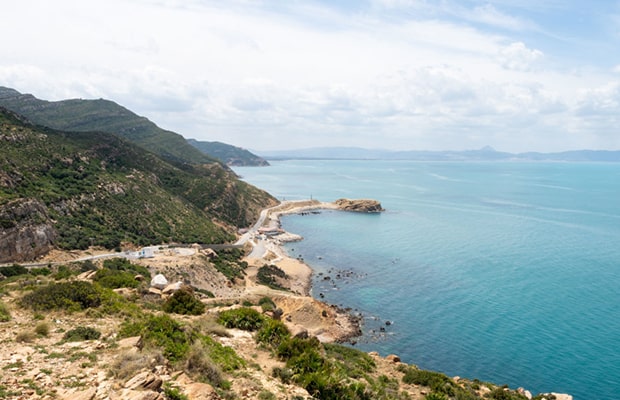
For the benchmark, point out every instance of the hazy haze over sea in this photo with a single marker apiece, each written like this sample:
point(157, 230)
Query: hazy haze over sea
point(506, 272)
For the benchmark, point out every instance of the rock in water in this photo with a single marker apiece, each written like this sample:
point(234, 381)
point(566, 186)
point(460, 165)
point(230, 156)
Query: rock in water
point(362, 205)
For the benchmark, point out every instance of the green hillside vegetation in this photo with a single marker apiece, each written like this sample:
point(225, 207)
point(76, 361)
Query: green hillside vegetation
point(103, 116)
point(228, 154)
point(100, 189)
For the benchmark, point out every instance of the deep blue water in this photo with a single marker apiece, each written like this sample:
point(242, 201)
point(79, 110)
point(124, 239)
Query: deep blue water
point(505, 272)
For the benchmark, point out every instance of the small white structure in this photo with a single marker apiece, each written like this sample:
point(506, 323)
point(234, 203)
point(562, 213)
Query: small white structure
point(146, 252)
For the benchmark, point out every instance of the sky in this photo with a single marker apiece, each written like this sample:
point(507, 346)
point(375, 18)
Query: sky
point(517, 75)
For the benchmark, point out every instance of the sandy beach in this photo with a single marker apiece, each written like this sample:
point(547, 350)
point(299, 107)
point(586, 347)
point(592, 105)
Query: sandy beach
point(326, 322)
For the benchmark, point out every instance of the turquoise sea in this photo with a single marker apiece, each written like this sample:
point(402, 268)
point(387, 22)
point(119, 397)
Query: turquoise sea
point(507, 272)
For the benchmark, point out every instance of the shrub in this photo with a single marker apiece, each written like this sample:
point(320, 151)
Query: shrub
point(123, 264)
point(5, 314)
point(436, 396)
point(294, 347)
point(437, 381)
point(71, 296)
point(114, 279)
point(24, 337)
point(172, 393)
point(161, 331)
point(266, 395)
point(267, 304)
point(81, 333)
point(246, 319)
point(224, 356)
point(40, 271)
point(200, 365)
point(267, 275)
point(272, 333)
point(183, 301)
point(42, 329)
point(13, 270)
point(285, 374)
point(228, 263)
point(209, 326)
point(356, 362)
point(63, 272)
point(128, 364)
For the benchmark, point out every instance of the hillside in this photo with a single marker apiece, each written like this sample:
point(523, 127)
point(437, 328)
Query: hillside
point(228, 154)
point(98, 330)
point(103, 116)
point(76, 189)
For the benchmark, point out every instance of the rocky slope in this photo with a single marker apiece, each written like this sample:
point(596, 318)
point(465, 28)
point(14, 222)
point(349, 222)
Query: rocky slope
point(102, 351)
point(73, 190)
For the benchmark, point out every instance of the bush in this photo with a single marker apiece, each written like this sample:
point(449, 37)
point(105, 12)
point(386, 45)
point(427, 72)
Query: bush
point(114, 279)
point(356, 362)
point(24, 337)
point(63, 272)
point(172, 393)
point(436, 396)
point(224, 356)
point(13, 270)
point(267, 275)
point(40, 271)
point(228, 263)
point(81, 333)
point(246, 319)
point(71, 296)
point(294, 347)
point(161, 331)
point(123, 264)
point(201, 367)
point(5, 314)
point(42, 329)
point(272, 333)
point(128, 364)
point(267, 304)
point(183, 301)
point(437, 381)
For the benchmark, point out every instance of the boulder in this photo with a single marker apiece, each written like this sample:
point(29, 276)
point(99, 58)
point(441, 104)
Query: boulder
point(298, 331)
point(159, 282)
point(393, 358)
point(144, 380)
point(562, 396)
point(173, 287)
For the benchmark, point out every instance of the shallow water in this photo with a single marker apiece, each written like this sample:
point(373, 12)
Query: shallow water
point(506, 272)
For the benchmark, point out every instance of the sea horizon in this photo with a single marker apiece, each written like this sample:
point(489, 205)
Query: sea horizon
point(498, 271)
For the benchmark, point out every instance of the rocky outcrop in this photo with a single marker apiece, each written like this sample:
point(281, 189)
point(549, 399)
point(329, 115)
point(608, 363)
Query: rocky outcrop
point(26, 231)
point(361, 205)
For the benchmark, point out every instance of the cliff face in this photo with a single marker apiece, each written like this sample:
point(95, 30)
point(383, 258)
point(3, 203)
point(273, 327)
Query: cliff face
point(26, 231)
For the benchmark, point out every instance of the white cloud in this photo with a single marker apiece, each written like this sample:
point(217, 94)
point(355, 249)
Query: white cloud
point(518, 57)
point(262, 77)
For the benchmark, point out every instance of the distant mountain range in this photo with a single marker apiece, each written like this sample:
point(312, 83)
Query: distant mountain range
point(485, 154)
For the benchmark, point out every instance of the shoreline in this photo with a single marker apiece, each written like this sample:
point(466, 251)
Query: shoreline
point(348, 326)
point(334, 324)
